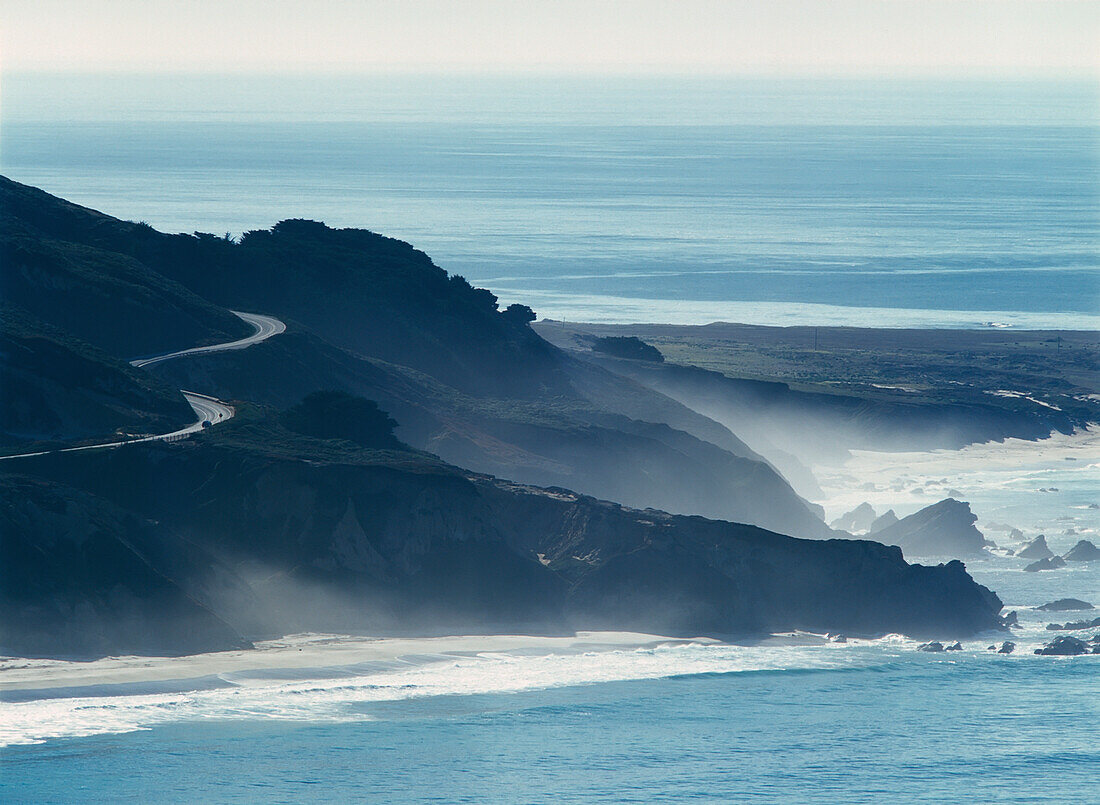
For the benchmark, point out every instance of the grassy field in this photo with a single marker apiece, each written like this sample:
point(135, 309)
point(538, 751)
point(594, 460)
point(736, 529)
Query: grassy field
point(1006, 367)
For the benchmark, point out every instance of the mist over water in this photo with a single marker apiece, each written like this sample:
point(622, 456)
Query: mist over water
point(1046, 487)
point(771, 202)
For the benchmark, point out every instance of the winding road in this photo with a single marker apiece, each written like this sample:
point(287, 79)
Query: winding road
point(266, 326)
point(206, 408)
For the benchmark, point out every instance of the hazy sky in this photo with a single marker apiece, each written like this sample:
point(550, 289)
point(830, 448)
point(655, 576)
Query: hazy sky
point(831, 36)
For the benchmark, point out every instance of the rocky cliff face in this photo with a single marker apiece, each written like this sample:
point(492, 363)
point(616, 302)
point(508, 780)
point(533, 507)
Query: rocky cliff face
point(251, 529)
point(942, 529)
point(383, 542)
point(1036, 549)
point(861, 518)
point(80, 576)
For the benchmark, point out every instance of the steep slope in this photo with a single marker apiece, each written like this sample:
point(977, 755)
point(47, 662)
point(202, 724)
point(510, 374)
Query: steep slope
point(81, 577)
point(367, 293)
point(568, 442)
point(57, 390)
point(942, 529)
point(465, 379)
point(51, 268)
point(329, 536)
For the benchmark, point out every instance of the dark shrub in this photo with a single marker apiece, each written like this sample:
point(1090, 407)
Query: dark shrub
point(627, 347)
point(520, 313)
point(338, 415)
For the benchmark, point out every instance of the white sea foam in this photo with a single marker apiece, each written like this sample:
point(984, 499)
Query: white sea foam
point(330, 678)
point(1027, 484)
point(484, 673)
point(610, 309)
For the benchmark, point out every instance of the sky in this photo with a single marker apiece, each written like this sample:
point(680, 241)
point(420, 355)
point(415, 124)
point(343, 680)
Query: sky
point(833, 37)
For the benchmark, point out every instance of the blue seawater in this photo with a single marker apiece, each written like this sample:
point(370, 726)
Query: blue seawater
point(861, 203)
point(949, 204)
point(888, 725)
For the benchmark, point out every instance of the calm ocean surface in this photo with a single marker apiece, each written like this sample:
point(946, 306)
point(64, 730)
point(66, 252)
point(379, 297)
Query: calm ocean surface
point(755, 201)
point(912, 204)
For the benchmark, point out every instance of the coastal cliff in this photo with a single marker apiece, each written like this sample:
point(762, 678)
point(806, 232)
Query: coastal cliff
point(317, 535)
point(622, 508)
point(375, 317)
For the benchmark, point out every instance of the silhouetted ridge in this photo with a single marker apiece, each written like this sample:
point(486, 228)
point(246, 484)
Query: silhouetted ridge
point(372, 316)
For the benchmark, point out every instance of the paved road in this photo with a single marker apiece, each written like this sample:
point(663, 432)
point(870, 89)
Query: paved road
point(266, 326)
point(207, 408)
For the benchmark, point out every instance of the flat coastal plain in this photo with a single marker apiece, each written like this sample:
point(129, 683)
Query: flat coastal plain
point(1013, 369)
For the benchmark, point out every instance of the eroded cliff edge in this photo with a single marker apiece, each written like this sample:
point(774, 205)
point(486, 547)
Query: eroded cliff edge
point(261, 533)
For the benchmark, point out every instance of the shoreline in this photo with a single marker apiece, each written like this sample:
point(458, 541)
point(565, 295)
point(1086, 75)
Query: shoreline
point(1044, 485)
point(624, 311)
point(290, 658)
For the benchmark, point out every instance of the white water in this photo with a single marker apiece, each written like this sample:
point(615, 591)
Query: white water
point(1001, 480)
point(335, 698)
point(607, 309)
point(1043, 487)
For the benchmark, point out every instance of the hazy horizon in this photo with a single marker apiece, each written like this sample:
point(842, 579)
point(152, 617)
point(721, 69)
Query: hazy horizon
point(698, 36)
point(581, 98)
point(583, 401)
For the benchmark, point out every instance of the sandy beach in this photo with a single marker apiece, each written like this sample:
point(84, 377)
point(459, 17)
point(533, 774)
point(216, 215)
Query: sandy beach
point(297, 656)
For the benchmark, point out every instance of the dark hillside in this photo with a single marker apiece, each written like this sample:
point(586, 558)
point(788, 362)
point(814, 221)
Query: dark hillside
point(374, 296)
point(560, 441)
point(81, 577)
point(326, 536)
point(60, 391)
point(58, 263)
point(466, 380)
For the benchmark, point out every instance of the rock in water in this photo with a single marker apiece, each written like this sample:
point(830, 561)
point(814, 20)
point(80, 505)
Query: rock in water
point(1052, 563)
point(1065, 605)
point(933, 647)
point(956, 646)
point(942, 529)
point(1007, 647)
point(1036, 549)
point(1083, 551)
point(1064, 647)
point(861, 518)
point(884, 521)
point(1073, 626)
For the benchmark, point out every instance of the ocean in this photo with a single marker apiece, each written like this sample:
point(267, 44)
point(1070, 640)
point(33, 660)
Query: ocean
point(892, 730)
point(909, 204)
point(962, 204)
point(862, 721)
point(856, 722)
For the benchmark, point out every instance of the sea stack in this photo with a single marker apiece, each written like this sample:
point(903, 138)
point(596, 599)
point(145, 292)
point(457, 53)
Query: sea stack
point(884, 521)
point(1036, 549)
point(861, 518)
point(1083, 551)
point(942, 529)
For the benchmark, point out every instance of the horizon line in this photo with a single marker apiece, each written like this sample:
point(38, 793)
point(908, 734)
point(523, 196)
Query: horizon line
point(1083, 74)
